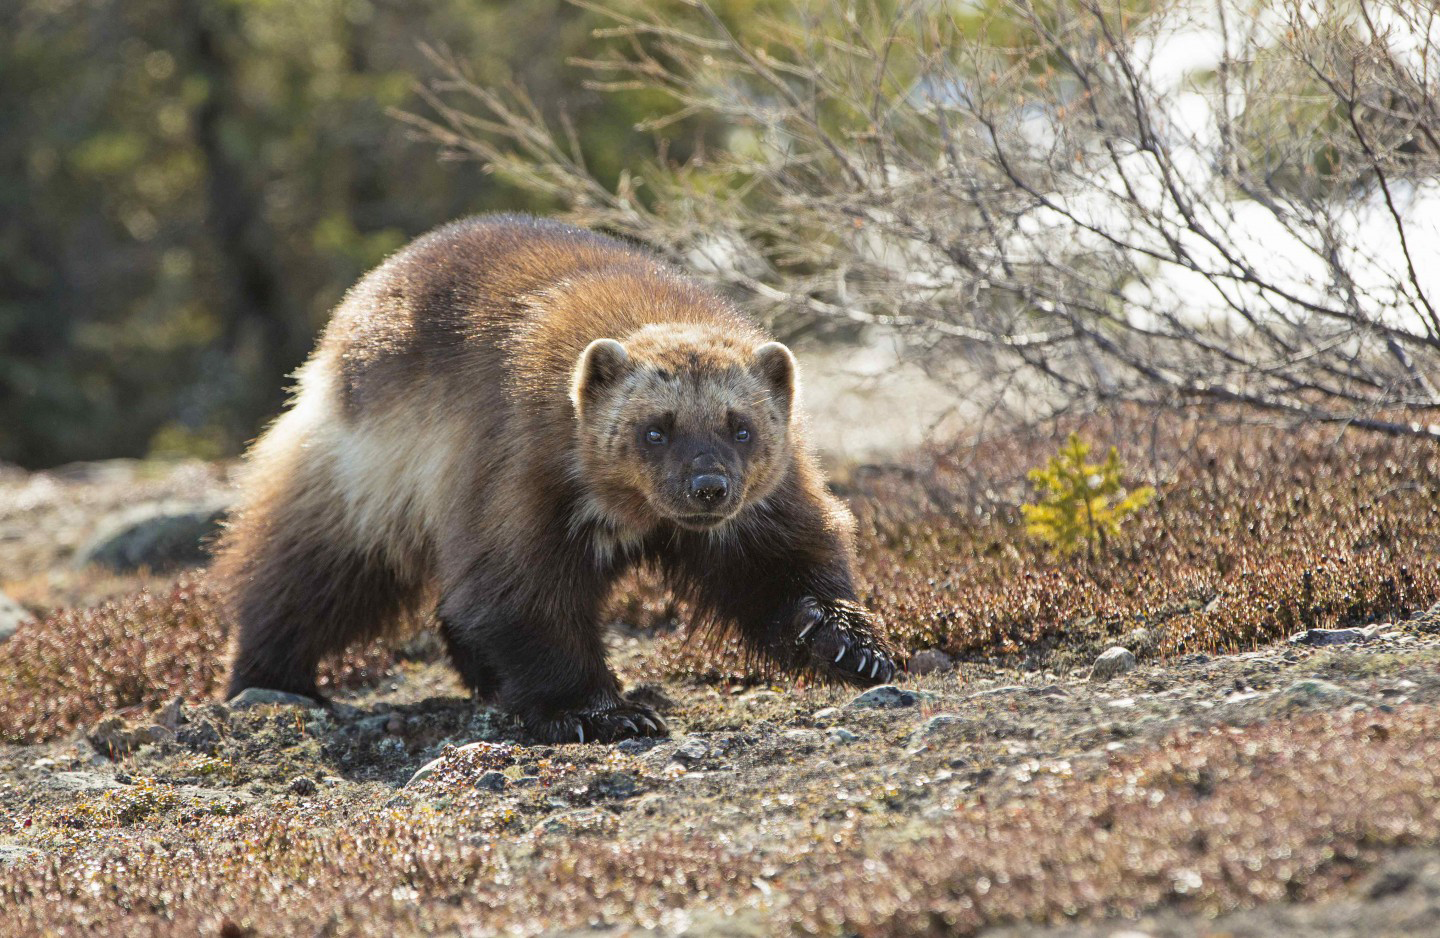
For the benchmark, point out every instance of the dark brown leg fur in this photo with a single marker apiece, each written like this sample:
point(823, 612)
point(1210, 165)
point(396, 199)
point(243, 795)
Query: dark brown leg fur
point(298, 600)
point(549, 655)
point(789, 596)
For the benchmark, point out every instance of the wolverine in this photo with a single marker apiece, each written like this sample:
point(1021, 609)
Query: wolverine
point(498, 422)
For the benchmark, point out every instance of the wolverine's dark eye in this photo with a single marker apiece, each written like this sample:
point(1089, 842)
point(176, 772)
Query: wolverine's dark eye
point(655, 436)
point(742, 435)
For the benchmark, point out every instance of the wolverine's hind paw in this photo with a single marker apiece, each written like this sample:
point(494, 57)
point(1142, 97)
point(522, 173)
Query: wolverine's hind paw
point(840, 643)
point(601, 726)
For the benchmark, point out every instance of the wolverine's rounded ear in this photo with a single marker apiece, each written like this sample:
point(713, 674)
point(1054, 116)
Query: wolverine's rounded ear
point(777, 366)
point(602, 363)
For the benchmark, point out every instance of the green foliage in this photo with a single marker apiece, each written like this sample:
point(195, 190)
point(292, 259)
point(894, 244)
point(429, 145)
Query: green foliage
point(186, 189)
point(1080, 504)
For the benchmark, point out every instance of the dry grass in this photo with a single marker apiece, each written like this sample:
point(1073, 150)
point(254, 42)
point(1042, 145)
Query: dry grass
point(1211, 820)
point(136, 652)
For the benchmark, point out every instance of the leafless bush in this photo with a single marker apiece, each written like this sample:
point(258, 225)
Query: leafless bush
point(1059, 203)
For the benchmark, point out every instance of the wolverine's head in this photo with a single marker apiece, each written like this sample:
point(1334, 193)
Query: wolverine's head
point(683, 423)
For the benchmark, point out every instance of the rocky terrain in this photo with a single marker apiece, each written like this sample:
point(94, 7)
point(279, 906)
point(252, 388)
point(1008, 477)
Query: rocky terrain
point(1289, 790)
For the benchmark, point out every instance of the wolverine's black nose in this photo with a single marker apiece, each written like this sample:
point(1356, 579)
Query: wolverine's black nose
point(709, 487)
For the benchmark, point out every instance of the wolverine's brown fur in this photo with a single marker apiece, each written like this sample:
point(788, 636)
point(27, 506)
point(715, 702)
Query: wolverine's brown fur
point(465, 437)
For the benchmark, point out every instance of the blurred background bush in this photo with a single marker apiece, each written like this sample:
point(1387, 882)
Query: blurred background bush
point(1044, 206)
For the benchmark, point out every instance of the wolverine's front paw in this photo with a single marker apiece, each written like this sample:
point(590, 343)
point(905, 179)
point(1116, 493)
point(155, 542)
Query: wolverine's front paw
point(621, 721)
point(840, 642)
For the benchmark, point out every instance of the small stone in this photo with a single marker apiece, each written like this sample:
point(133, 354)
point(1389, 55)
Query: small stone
point(425, 771)
point(616, 785)
point(637, 744)
point(1114, 660)
point(929, 661)
point(13, 853)
point(933, 729)
point(840, 736)
point(1321, 637)
point(802, 739)
point(760, 698)
point(887, 697)
point(264, 697)
point(12, 616)
point(331, 781)
point(826, 714)
point(171, 714)
point(492, 781)
point(81, 781)
point(692, 750)
point(1317, 691)
point(160, 536)
point(526, 781)
point(575, 822)
point(301, 785)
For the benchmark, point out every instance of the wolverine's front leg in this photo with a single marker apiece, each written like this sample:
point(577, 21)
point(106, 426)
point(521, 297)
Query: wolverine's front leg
point(796, 607)
point(548, 655)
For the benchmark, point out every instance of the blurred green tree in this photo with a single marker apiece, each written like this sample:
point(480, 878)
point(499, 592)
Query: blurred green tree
point(187, 188)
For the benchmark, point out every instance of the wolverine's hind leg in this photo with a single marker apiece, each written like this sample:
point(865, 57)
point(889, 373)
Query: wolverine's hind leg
point(299, 593)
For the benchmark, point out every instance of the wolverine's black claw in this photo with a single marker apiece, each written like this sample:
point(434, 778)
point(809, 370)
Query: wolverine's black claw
point(600, 726)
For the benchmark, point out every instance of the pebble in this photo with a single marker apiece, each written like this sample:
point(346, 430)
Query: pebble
point(1317, 690)
point(637, 744)
point(931, 729)
point(1322, 637)
point(1114, 660)
point(929, 661)
point(262, 696)
point(492, 781)
point(805, 739)
point(12, 616)
point(10, 853)
point(887, 697)
point(692, 750)
point(425, 771)
point(81, 781)
point(760, 698)
point(840, 736)
point(826, 714)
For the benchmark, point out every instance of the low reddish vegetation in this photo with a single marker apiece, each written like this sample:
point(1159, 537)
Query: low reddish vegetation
point(135, 652)
point(1212, 820)
point(1256, 532)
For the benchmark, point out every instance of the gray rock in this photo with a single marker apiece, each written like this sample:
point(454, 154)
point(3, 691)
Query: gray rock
point(264, 697)
point(802, 739)
point(929, 661)
point(160, 536)
point(13, 853)
point(12, 616)
point(81, 782)
point(637, 744)
point(1322, 637)
point(492, 781)
point(934, 729)
point(887, 697)
point(1313, 690)
point(840, 736)
point(1114, 660)
point(826, 714)
point(760, 698)
point(692, 750)
point(425, 771)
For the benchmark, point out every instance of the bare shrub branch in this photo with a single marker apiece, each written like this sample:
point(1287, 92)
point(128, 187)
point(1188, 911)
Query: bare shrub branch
point(1109, 200)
